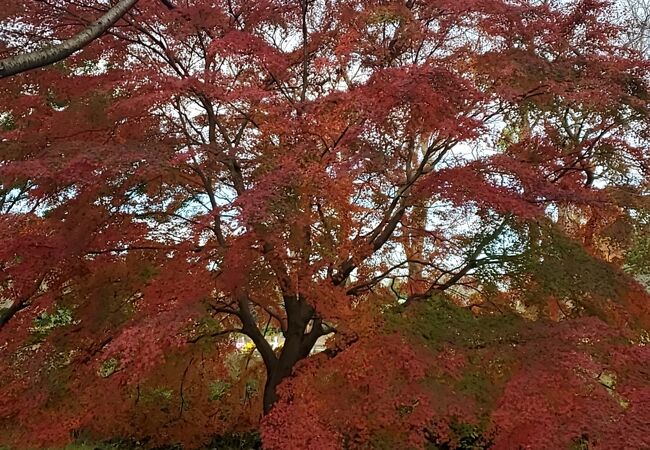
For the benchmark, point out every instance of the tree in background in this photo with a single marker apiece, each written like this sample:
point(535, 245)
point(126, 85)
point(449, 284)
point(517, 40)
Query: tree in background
point(636, 14)
point(326, 169)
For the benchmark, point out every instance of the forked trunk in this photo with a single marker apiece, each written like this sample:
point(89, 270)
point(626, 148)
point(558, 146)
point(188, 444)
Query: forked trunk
point(297, 346)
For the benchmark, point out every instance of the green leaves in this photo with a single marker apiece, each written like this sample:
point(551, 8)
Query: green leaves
point(218, 389)
point(108, 367)
point(47, 322)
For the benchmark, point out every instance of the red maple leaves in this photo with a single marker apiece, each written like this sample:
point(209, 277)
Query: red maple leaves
point(322, 170)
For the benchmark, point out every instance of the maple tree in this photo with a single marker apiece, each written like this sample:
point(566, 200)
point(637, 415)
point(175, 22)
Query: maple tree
point(453, 194)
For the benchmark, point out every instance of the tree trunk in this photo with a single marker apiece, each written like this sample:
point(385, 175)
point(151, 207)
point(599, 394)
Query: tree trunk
point(299, 341)
point(296, 347)
point(273, 380)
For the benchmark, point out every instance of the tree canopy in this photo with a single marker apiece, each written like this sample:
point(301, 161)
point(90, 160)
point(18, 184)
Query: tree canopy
point(452, 196)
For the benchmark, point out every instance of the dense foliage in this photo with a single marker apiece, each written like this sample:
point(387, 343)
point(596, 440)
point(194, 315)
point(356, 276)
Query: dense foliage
point(452, 195)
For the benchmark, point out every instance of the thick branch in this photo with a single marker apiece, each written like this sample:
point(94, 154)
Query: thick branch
point(196, 339)
point(249, 327)
point(20, 303)
point(7, 314)
point(39, 58)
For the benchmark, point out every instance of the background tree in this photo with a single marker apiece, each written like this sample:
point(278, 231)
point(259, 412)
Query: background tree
point(636, 14)
point(230, 168)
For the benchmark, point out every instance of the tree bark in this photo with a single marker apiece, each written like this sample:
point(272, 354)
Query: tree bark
point(298, 344)
point(273, 379)
point(296, 348)
point(54, 53)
